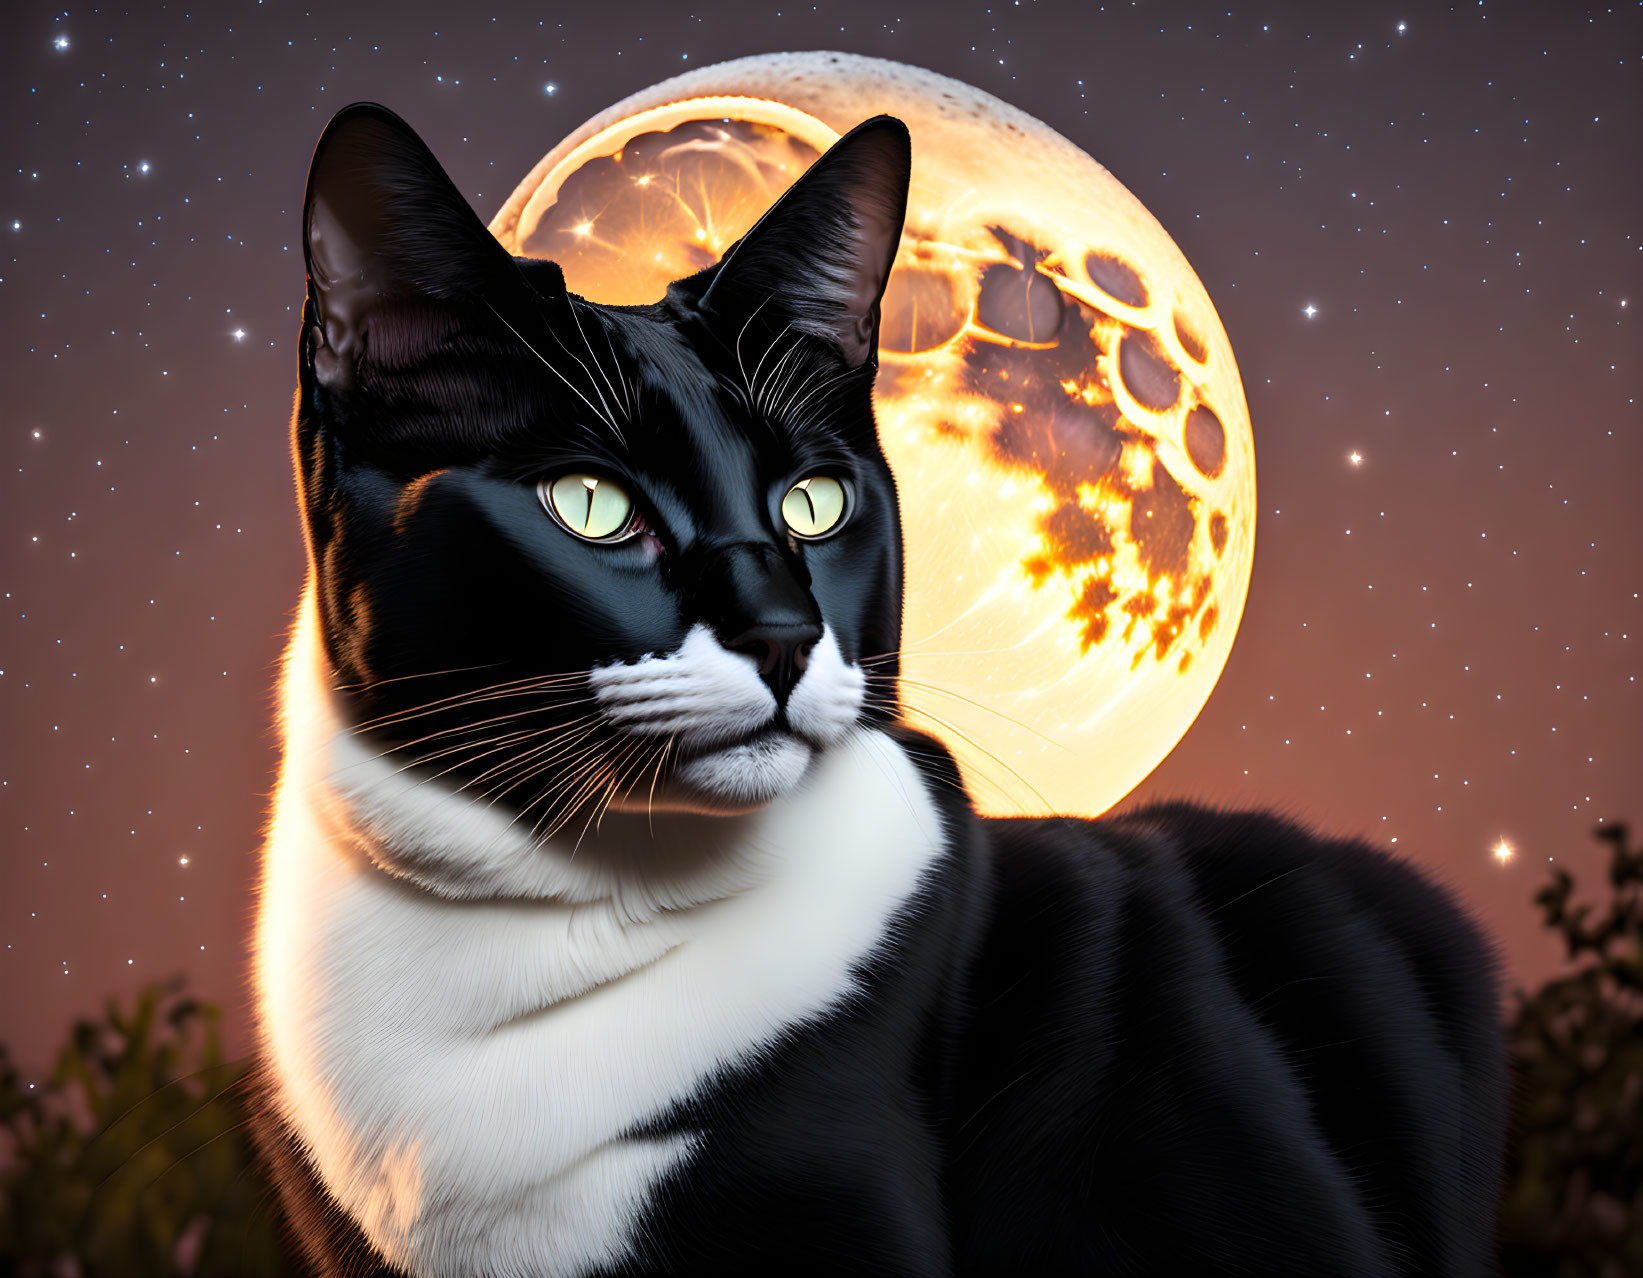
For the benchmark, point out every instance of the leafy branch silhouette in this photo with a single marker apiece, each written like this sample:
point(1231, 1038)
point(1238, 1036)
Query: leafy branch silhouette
point(132, 1157)
point(1573, 1205)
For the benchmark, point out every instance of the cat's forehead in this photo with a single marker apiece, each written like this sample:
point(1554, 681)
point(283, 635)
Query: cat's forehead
point(662, 362)
point(669, 410)
point(693, 396)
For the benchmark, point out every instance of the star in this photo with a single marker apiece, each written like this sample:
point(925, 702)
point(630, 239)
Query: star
point(1356, 459)
point(1309, 310)
point(60, 43)
point(239, 334)
point(1402, 27)
point(1503, 852)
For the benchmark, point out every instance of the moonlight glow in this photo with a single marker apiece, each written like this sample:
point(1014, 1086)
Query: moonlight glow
point(1056, 397)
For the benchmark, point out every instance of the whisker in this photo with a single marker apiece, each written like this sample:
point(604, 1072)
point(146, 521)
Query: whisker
point(158, 1092)
point(484, 723)
point(890, 774)
point(742, 333)
point(592, 774)
point(900, 680)
point(568, 801)
point(458, 707)
point(607, 416)
point(620, 788)
point(182, 1158)
point(597, 811)
point(977, 745)
point(199, 1109)
point(592, 407)
point(499, 742)
point(604, 761)
point(425, 674)
point(796, 391)
point(630, 402)
point(555, 735)
point(757, 368)
point(537, 759)
point(839, 377)
point(650, 799)
point(933, 777)
point(242, 1081)
point(655, 750)
point(774, 386)
point(638, 752)
point(782, 378)
point(592, 356)
point(904, 653)
point(535, 681)
point(575, 748)
point(814, 422)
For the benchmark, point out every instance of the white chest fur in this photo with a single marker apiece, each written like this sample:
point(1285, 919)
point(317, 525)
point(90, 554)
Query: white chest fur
point(461, 1071)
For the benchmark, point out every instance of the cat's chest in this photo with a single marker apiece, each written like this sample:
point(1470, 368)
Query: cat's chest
point(466, 1075)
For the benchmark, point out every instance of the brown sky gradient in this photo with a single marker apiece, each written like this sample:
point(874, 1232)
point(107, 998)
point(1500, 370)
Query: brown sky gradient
point(1441, 640)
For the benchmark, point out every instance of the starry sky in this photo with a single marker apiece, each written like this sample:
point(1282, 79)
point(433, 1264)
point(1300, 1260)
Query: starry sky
point(1422, 226)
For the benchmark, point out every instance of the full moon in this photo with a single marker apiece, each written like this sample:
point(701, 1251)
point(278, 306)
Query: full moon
point(1056, 397)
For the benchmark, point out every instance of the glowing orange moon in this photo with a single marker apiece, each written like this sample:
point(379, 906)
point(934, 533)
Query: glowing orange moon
point(1056, 396)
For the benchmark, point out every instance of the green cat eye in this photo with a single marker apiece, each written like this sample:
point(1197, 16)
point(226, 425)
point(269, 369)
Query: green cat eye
point(814, 507)
point(590, 506)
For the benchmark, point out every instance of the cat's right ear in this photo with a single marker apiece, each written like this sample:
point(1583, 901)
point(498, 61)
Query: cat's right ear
point(387, 235)
point(824, 250)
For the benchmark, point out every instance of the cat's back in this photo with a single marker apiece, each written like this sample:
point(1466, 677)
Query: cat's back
point(1215, 1041)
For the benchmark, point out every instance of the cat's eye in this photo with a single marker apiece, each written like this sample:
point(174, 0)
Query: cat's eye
point(590, 506)
point(814, 507)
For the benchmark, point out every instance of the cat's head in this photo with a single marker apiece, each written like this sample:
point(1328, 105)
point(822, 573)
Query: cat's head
point(569, 555)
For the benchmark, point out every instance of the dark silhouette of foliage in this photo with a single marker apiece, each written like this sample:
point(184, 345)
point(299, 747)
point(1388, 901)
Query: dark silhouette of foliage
point(131, 1159)
point(1573, 1205)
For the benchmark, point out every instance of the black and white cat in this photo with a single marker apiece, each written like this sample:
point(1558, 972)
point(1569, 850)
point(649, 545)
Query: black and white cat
point(611, 923)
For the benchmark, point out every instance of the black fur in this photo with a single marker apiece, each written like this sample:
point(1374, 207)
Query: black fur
point(1174, 1041)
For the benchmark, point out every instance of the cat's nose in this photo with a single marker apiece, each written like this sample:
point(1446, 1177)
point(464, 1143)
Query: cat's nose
point(781, 651)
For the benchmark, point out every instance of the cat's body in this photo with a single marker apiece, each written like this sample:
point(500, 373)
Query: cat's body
point(723, 975)
point(510, 1048)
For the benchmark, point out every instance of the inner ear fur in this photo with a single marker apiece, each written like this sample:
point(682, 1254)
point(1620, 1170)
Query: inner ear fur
point(386, 233)
point(820, 257)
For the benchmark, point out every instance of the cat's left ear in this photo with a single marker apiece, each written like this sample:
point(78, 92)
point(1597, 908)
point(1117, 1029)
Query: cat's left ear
point(386, 233)
point(821, 255)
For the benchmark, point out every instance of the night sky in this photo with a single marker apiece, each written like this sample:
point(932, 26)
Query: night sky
point(1422, 226)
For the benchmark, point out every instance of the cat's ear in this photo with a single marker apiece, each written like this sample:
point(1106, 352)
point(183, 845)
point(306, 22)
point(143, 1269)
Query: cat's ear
point(821, 255)
point(385, 233)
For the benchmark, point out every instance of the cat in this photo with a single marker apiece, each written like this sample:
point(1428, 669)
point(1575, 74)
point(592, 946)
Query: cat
point(613, 922)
